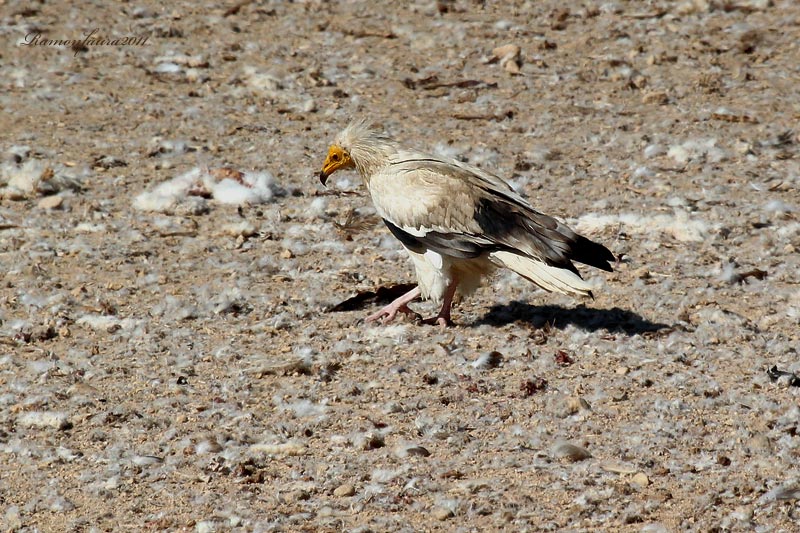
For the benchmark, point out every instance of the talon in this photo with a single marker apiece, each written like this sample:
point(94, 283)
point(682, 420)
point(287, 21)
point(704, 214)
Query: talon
point(388, 313)
point(441, 321)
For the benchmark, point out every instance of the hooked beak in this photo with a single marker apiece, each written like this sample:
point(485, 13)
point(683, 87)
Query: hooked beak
point(337, 158)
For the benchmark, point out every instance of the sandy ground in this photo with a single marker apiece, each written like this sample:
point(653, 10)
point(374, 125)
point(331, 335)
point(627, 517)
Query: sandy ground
point(167, 361)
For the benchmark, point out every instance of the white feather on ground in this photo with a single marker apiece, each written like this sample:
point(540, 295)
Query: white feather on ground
point(225, 186)
point(679, 225)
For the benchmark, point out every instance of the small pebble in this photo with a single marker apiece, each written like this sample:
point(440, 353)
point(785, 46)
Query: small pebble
point(244, 229)
point(308, 106)
point(147, 460)
point(419, 451)
point(618, 468)
point(509, 56)
point(44, 419)
point(655, 97)
point(441, 513)
point(571, 452)
point(576, 404)
point(344, 490)
point(295, 496)
point(50, 202)
point(641, 479)
point(287, 448)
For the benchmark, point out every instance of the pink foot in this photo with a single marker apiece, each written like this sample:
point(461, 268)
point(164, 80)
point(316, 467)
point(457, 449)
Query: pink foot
point(388, 313)
point(400, 305)
point(443, 318)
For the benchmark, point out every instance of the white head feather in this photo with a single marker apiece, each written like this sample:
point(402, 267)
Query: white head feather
point(369, 149)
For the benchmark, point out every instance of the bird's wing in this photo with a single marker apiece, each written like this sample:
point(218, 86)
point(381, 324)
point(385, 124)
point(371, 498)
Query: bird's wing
point(460, 211)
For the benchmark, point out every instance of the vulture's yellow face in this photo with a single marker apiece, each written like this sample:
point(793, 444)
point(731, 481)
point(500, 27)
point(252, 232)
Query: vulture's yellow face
point(337, 158)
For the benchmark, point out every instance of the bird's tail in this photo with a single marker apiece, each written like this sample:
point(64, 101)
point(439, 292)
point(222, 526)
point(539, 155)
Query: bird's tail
point(550, 278)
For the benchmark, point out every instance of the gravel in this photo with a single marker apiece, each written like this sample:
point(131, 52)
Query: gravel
point(167, 358)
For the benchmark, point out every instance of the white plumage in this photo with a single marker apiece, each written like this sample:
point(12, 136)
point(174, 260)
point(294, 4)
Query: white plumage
point(459, 223)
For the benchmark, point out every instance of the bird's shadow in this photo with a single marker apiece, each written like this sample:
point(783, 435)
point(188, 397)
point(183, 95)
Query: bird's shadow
point(613, 320)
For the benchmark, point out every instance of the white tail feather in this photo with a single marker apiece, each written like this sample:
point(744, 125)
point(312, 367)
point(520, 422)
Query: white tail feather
point(548, 277)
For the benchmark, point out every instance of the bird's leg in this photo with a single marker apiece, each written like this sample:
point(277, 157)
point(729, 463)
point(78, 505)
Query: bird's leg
point(388, 313)
point(443, 318)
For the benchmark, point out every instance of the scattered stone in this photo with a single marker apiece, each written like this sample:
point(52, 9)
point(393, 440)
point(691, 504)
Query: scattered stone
point(576, 404)
point(620, 396)
point(295, 496)
point(14, 194)
point(106, 161)
point(618, 468)
point(640, 479)
point(655, 97)
point(243, 228)
point(743, 147)
point(419, 451)
point(286, 448)
point(147, 460)
point(509, 56)
point(345, 490)
point(44, 419)
point(50, 202)
point(570, 452)
point(208, 445)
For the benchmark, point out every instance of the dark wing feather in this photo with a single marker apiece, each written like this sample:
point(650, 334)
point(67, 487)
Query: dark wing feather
point(497, 219)
point(449, 244)
point(538, 235)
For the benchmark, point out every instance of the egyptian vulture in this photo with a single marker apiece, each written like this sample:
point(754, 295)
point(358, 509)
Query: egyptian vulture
point(458, 223)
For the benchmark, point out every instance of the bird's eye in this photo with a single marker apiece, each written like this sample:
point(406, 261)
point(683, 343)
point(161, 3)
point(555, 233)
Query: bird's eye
point(335, 157)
